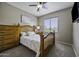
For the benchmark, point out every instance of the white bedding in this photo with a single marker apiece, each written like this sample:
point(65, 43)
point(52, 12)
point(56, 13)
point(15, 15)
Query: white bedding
point(33, 42)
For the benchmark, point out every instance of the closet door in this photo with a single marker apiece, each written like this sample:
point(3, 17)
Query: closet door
point(75, 29)
point(78, 30)
point(76, 37)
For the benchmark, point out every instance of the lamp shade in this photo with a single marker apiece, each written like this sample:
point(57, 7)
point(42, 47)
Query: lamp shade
point(38, 27)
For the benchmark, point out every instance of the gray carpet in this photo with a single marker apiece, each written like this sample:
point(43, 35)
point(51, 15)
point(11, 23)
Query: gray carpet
point(59, 50)
point(20, 51)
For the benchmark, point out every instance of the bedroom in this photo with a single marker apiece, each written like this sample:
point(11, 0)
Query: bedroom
point(14, 15)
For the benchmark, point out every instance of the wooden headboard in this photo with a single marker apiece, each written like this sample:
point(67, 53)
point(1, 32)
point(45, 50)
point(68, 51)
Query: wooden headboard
point(26, 28)
point(9, 36)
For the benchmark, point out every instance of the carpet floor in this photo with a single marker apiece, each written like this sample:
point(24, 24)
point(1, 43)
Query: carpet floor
point(59, 50)
point(19, 51)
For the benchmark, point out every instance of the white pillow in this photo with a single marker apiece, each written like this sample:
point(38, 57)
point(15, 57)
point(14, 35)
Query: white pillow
point(31, 33)
point(23, 33)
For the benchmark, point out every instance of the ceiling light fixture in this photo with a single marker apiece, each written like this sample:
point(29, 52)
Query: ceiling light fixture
point(39, 6)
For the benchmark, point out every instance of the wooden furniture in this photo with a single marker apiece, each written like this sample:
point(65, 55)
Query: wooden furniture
point(43, 51)
point(26, 28)
point(9, 36)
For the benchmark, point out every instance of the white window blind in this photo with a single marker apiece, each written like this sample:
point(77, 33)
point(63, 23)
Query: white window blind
point(51, 24)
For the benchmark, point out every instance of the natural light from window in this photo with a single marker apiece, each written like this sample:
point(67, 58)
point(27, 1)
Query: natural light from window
point(51, 25)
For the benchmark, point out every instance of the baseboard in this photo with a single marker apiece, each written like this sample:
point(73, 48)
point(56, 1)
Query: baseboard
point(75, 51)
point(64, 43)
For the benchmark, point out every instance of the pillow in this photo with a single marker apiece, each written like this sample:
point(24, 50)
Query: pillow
point(23, 33)
point(31, 33)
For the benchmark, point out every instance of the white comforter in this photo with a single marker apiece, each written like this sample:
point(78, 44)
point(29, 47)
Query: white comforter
point(33, 42)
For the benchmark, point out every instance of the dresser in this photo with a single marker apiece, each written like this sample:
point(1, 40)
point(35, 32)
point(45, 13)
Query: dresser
point(9, 36)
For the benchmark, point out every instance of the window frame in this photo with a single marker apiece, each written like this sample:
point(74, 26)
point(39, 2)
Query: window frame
point(50, 19)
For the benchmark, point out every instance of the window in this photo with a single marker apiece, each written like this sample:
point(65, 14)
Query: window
point(51, 24)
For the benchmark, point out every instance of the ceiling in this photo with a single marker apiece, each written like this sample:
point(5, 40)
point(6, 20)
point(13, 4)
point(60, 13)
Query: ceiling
point(51, 7)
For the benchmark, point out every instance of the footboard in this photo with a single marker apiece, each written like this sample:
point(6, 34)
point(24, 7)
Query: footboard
point(42, 50)
point(42, 45)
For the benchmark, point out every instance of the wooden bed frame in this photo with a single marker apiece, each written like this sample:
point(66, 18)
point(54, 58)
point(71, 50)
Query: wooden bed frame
point(43, 51)
point(17, 29)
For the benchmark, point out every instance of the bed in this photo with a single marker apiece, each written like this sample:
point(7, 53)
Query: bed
point(36, 42)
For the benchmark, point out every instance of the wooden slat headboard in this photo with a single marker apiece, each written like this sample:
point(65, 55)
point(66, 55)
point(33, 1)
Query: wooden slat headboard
point(9, 36)
point(26, 28)
point(9, 29)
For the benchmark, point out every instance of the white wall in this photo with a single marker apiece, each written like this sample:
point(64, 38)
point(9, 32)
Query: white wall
point(12, 15)
point(76, 38)
point(64, 33)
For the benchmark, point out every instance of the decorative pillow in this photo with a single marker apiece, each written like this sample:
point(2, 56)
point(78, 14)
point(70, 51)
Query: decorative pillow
point(31, 33)
point(23, 33)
